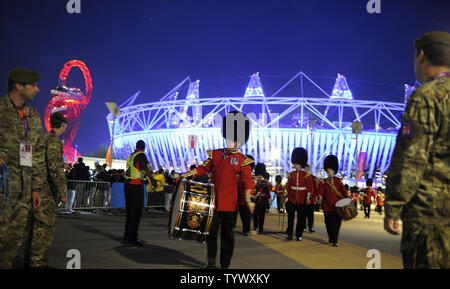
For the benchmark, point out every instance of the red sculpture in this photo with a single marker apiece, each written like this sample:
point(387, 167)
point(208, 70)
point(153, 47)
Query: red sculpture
point(70, 102)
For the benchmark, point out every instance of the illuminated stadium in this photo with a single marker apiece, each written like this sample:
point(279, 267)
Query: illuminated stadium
point(179, 130)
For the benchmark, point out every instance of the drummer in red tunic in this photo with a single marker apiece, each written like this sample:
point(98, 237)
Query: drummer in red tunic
point(331, 190)
point(226, 166)
point(279, 193)
point(369, 194)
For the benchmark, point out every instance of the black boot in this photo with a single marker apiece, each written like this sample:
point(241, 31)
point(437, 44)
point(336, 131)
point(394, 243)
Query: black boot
point(211, 264)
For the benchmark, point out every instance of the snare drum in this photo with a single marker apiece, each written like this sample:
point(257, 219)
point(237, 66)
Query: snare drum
point(192, 211)
point(346, 209)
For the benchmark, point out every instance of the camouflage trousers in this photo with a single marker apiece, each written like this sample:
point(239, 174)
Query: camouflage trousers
point(22, 225)
point(426, 247)
point(13, 224)
point(40, 231)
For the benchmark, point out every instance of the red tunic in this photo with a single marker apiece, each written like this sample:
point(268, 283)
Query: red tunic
point(225, 173)
point(380, 199)
point(279, 190)
point(263, 193)
point(241, 192)
point(298, 186)
point(270, 189)
point(369, 193)
point(329, 197)
point(315, 187)
point(355, 197)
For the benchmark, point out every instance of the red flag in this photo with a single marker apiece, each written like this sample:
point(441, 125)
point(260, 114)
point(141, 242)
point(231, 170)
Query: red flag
point(108, 156)
point(192, 141)
point(361, 164)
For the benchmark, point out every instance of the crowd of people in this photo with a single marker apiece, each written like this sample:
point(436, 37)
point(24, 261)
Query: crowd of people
point(80, 172)
point(164, 185)
point(160, 186)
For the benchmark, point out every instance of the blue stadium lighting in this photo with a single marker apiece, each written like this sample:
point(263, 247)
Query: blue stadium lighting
point(273, 136)
point(341, 89)
point(408, 91)
point(254, 88)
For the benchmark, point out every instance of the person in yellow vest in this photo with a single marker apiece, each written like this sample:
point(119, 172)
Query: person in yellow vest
point(137, 170)
point(149, 187)
point(159, 188)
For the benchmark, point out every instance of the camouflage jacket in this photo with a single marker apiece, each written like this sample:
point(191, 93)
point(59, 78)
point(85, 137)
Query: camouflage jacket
point(23, 179)
point(56, 178)
point(417, 187)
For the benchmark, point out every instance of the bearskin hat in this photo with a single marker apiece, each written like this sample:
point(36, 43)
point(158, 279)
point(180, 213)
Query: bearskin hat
point(278, 179)
point(331, 162)
point(299, 156)
point(240, 132)
point(369, 182)
point(260, 169)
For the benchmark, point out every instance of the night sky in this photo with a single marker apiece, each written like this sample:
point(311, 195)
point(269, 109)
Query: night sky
point(152, 45)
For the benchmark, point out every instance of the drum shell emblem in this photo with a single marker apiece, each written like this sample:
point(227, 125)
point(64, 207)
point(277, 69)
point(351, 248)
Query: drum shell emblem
point(192, 211)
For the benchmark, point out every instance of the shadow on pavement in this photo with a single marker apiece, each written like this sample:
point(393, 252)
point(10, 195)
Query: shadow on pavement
point(149, 254)
point(152, 254)
point(97, 231)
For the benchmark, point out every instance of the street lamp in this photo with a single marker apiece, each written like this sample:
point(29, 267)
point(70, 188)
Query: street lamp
point(356, 129)
point(114, 110)
point(311, 128)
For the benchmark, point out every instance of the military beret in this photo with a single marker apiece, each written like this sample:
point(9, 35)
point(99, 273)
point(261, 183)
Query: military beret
point(434, 37)
point(23, 75)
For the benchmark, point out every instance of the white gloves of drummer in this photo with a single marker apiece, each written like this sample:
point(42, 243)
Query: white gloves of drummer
point(189, 174)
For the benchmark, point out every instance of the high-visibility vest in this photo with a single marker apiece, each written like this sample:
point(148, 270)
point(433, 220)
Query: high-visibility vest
point(132, 172)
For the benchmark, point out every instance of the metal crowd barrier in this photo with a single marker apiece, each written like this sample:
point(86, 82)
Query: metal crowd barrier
point(88, 195)
point(96, 195)
point(159, 199)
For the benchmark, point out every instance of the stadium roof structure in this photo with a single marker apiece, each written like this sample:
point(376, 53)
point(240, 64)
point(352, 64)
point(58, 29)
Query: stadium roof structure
point(178, 132)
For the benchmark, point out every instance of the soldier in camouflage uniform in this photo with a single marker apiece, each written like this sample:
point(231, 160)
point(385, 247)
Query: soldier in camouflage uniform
point(418, 188)
point(20, 130)
point(41, 226)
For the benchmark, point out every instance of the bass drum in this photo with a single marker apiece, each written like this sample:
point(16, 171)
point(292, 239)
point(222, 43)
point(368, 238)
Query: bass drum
point(346, 209)
point(192, 211)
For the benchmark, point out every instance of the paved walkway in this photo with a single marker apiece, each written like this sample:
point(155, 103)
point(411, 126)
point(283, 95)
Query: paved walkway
point(98, 239)
point(356, 238)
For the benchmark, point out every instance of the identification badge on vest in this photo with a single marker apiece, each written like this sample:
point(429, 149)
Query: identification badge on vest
point(406, 129)
point(234, 161)
point(25, 154)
